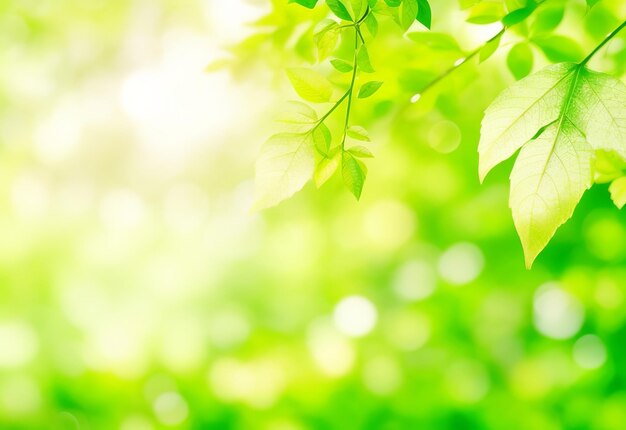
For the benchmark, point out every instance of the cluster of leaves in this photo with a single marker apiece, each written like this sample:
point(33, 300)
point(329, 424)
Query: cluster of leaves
point(567, 121)
point(308, 150)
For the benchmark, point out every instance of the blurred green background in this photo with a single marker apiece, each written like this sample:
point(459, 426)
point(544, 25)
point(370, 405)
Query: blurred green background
point(138, 292)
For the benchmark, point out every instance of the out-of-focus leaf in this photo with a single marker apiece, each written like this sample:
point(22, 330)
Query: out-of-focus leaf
point(486, 13)
point(286, 163)
point(298, 113)
point(361, 152)
point(607, 166)
point(369, 88)
point(548, 16)
point(436, 41)
point(517, 16)
point(559, 48)
point(372, 24)
point(326, 168)
point(310, 85)
point(322, 139)
point(592, 3)
point(408, 13)
point(326, 40)
point(520, 60)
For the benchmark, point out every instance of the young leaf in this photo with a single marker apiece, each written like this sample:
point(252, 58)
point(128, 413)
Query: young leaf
point(299, 113)
point(559, 48)
point(286, 163)
point(520, 60)
point(326, 40)
point(489, 48)
point(306, 3)
point(325, 169)
point(322, 139)
point(310, 85)
point(339, 9)
point(618, 192)
point(369, 88)
point(354, 173)
point(359, 133)
point(363, 60)
point(550, 176)
point(408, 13)
point(361, 152)
point(424, 13)
point(372, 24)
point(341, 65)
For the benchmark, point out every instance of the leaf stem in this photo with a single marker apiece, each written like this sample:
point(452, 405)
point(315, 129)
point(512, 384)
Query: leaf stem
point(459, 63)
point(604, 42)
point(351, 89)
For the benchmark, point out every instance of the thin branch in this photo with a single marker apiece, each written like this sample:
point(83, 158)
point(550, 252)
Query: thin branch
point(604, 42)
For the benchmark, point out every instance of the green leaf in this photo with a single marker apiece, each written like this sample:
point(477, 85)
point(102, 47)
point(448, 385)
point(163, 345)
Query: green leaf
point(341, 65)
point(486, 13)
point(548, 17)
point(325, 169)
point(607, 166)
point(520, 60)
point(559, 48)
point(489, 49)
point(299, 113)
point(550, 176)
point(326, 40)
point(361, 152)
point(310, 85)
point(372, 24)
point(369, 88)
point(592, 3)
point(408, 13)
point(559, 117)
point(339, 9)
point(393, 3)
point(285, 165)
point(517, 16)
point(358, 8)
point(359, 133)
point(354, 173)
point(322, 139)
point(306, 3)
point(363, 60)
point(424, 13)
point(519, 112)
point(618, 192)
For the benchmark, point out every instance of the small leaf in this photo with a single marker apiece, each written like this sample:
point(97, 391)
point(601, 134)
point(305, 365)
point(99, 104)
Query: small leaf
point(517, 16)
point(310, 85)
point(424, 13)
point(354, 173)
point(489, 49)
point(520, 60)
point(618, 192)
point(286, 163)
point(369, 88)
point(339, 9)
point(322, 139)
point(358, 8)
point(559, 48)
point(341, 65)
point(372, 24)
point(359, 133)
point(306, 3)
point(363, 60)
point(325, 169)
point(299, 113)
point(408, 13)
point(326, 40)
point(361, 152)
point(547, 18)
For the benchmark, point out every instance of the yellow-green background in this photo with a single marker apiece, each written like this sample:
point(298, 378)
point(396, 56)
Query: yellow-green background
point(138, 292)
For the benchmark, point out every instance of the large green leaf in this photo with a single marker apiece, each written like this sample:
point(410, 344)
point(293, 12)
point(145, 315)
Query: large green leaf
point(550, 176)
point(286, 163)
point(559, 117)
